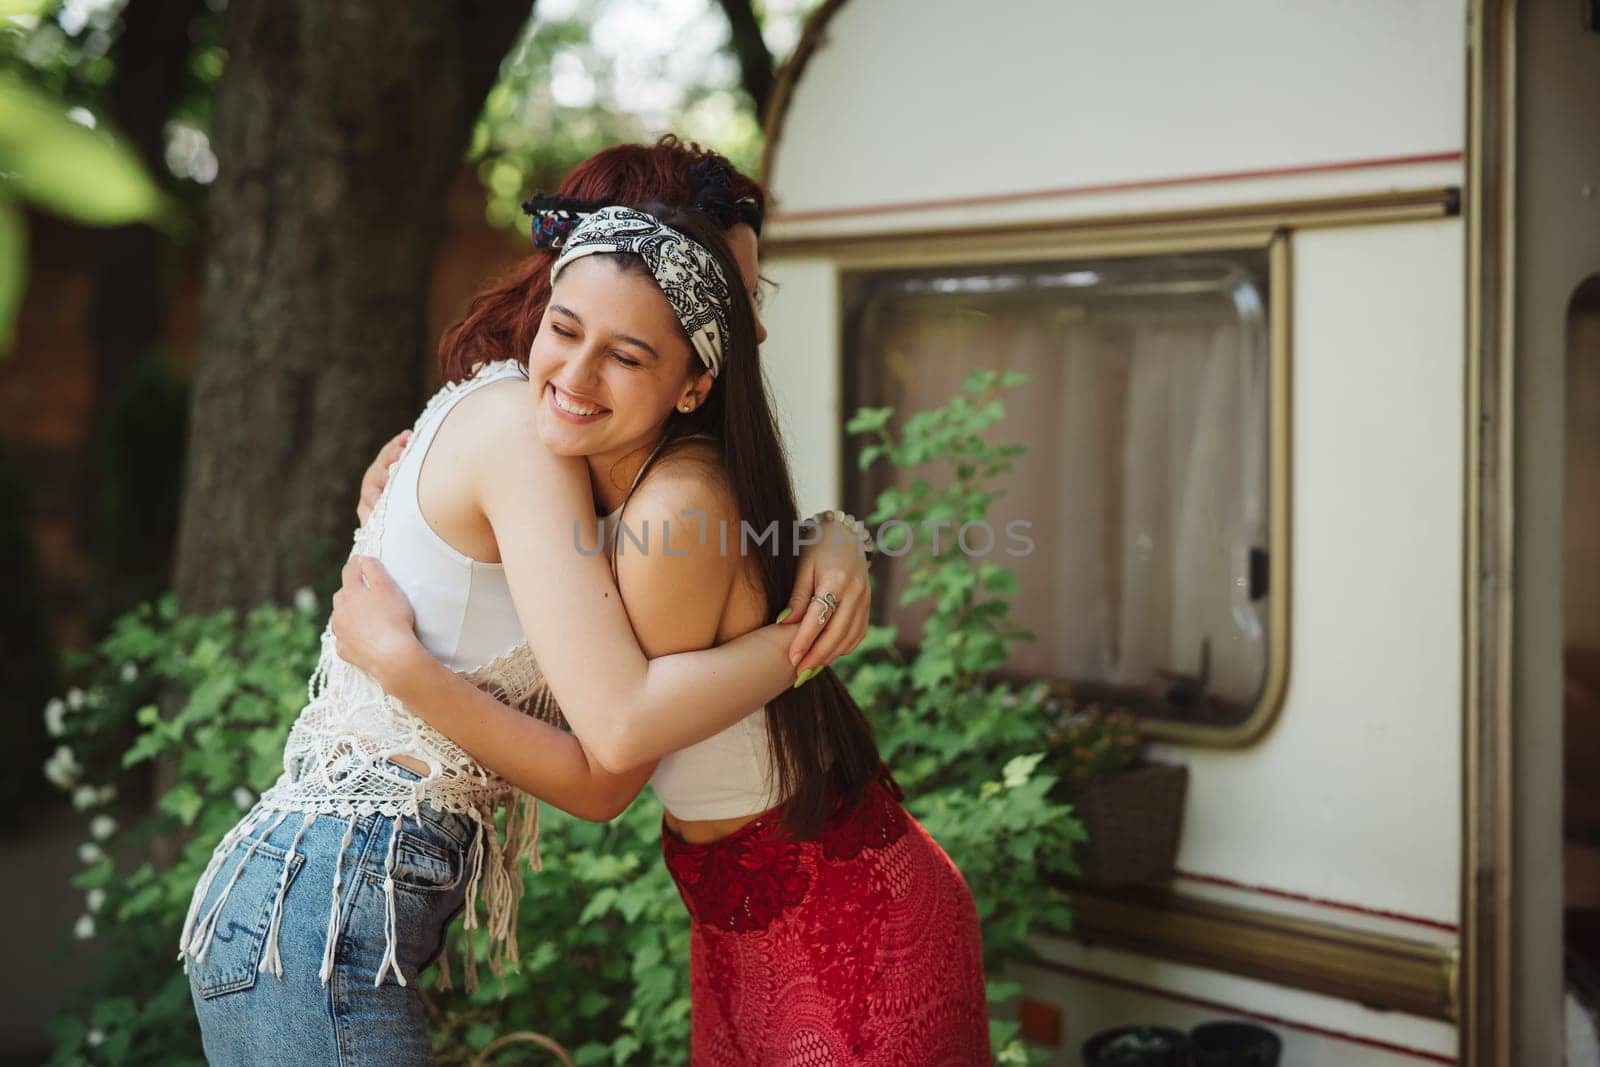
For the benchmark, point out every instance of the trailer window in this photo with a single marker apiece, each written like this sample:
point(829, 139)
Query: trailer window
point(1145, 480)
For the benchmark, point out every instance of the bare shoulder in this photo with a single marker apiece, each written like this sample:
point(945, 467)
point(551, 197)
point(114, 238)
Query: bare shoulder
point(688, 476)
point(491, 443)
point(495, 425)
point(505, 406)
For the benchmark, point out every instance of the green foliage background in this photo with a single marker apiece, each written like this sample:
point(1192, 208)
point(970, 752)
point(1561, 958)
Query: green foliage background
point(605, 935)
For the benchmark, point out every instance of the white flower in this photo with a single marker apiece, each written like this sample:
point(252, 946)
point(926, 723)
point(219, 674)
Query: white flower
point(130, 672)
point(89, 852)
point(85, 797)
point(75, 698)
point(62, 768)
point(94, 1038)
point(84, 928)
point(305, 601)
point(243, 797)
point(97, 899)
point(55, 717)
point(102, 827)
point(107, 794)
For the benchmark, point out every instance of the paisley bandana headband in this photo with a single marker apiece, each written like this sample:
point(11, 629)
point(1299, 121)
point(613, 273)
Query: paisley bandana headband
point(689, 278)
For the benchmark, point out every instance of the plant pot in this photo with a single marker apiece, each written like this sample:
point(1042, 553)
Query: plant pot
point(1133, 819)
point(1137, 1046)
point(1231, 1044)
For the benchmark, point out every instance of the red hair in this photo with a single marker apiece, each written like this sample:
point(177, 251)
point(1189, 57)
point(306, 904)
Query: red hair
point(501, 321)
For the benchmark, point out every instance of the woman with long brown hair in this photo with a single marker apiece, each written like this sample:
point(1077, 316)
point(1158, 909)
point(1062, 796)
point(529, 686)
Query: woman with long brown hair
point(308, 929)
point(828, 927)
point(501, 321)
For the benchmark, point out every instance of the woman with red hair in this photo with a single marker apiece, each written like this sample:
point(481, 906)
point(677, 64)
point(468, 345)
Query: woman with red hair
point(501, 321)
point(390, 823)
point(828, 927)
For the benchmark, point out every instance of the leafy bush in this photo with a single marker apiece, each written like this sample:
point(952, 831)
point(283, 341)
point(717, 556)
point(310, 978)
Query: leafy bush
point(243, 682)
point(604, 934)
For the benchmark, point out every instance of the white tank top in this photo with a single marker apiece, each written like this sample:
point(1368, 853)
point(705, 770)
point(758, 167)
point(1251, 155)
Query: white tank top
point(463, 607)
point(728, 775)
point(336, 760)
point(465, 616)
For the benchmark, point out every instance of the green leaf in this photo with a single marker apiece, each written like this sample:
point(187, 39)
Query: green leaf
point(632, 899)
point(96, 876)
point(998, 991)
point(1019, 770)
point(144, 748)
point(979, 381)
point(85, 175)
point(183, 802)
point(869, 420)
point(599, 904)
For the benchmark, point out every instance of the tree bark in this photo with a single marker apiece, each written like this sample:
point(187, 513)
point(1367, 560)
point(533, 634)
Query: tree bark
point(338, 130)
point(755, 61)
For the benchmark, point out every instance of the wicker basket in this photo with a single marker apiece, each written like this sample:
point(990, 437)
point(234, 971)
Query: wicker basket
point(524, 1037)
point(1133, 819)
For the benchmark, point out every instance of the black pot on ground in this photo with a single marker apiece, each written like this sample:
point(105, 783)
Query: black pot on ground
point(1232, 1044)
point(1137, 1046)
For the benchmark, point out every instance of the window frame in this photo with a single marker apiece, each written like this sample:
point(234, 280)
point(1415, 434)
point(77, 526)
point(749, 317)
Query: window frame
point(1275, 246)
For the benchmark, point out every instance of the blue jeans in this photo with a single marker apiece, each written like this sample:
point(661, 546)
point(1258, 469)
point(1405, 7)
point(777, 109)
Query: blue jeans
point(250, 1015)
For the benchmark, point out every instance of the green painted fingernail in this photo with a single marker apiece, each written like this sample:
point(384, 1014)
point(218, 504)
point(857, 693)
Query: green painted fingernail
point(784, 614)
point(805, 676)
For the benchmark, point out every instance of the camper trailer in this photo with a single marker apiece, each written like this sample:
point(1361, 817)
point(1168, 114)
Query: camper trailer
point(1308, 295)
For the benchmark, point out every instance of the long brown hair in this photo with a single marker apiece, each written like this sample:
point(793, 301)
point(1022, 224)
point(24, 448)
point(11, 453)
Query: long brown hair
point(822, 747)
point(501, 321)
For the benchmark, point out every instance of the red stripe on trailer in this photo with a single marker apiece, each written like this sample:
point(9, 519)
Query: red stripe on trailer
point(1323, 902)
point(1115, 187)
point(1243, 1013)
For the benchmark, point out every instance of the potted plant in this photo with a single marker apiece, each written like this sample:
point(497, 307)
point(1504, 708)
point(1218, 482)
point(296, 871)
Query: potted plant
point(1132, 809)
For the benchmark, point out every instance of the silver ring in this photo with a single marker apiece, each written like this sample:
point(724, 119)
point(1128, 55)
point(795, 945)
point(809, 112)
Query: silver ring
point(830, 604)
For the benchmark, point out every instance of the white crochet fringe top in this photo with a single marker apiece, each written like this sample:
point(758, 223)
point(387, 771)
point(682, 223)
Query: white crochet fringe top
point(336, 760)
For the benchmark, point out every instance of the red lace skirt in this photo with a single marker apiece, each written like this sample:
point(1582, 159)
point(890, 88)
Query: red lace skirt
point(860, 946)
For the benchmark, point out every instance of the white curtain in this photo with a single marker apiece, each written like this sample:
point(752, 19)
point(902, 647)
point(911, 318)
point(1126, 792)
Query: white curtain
point(1144, 481)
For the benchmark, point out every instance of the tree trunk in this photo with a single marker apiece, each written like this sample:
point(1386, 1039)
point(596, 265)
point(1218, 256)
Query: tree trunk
point(338, 130)
point(756, 72)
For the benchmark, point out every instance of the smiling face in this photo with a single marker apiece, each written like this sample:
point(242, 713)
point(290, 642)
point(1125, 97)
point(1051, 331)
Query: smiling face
point(611, 364)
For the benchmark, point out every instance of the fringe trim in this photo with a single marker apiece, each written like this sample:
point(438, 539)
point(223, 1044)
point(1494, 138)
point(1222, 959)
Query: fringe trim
point(269, 958)
point(202, 937)
point(493, 873)
point(389, 935)
point(330, 939)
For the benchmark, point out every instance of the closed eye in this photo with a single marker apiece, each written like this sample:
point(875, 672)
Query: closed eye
point(624, 360)
point(561, 331)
